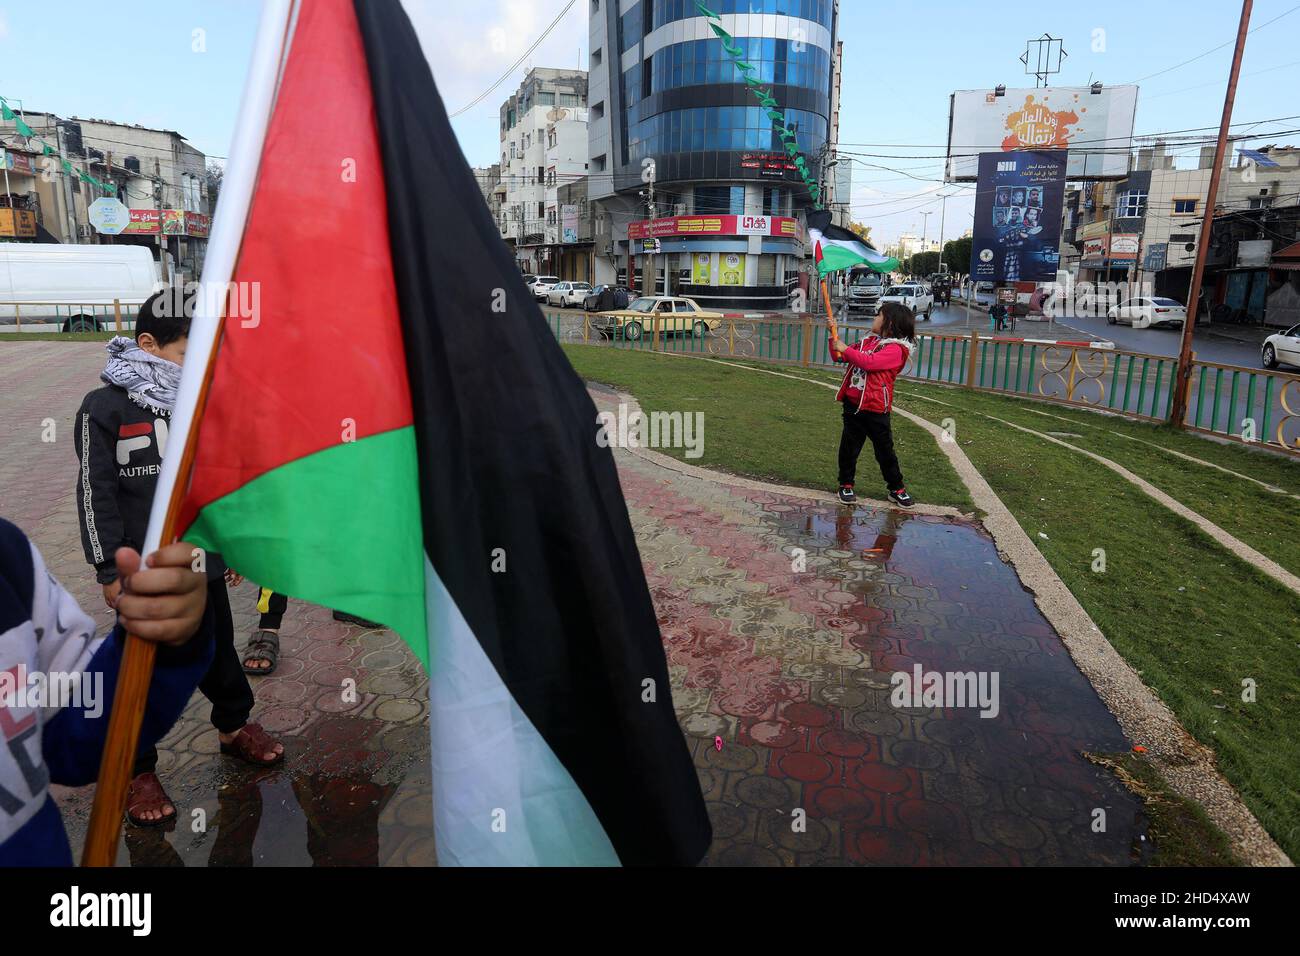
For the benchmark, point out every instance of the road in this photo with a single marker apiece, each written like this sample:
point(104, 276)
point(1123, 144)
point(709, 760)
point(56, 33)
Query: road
point(1228, 345)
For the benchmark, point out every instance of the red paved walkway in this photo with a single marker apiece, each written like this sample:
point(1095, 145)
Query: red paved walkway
point(791, 669)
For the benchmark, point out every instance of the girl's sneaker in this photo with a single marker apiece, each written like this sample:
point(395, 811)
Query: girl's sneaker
point(846, 494)
point(901, 498)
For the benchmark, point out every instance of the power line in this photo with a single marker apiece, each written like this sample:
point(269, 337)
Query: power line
point(1200, 56)
point(514, 66)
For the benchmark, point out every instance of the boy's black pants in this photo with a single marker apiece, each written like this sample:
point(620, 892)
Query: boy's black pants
point(225, 683)
point(275, 604)
point(858, 427)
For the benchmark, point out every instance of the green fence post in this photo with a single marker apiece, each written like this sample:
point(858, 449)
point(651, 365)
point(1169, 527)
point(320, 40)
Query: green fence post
point(1232, 402)
point(1214, 402)
point(1268, 406)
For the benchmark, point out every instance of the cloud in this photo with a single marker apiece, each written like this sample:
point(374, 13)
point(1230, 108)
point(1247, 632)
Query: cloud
point(4, 26)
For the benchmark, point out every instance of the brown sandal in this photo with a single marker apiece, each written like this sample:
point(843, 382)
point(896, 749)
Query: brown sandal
point(250, 743)
point(146, 793)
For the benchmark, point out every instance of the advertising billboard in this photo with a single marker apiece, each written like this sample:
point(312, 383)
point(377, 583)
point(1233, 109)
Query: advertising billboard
point(1097, 128)
point(1018, 216)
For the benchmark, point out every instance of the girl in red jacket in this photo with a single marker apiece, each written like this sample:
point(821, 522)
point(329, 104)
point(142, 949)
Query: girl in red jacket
point(867, 394)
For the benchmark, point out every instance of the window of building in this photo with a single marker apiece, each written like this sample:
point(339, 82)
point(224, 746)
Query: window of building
point(550, 216)
point(550, 176)
point(1261, 202)
point(726, 200)
point(570, 99)
point(1132, 204)
point(541, 175)
point(550, 138)
point(598, 111)
point(776, 202)
point(1185, 207)
point(596, 57)
point(541, 210)
point(545, 98)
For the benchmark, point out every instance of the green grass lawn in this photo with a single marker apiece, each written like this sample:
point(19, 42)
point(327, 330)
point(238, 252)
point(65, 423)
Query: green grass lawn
point(1262, 519)
point(766, 427)
point(1194, 620)
point(56, 336)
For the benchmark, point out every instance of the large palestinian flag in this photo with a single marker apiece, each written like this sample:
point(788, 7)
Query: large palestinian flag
point(836, 249)
point(397, 435)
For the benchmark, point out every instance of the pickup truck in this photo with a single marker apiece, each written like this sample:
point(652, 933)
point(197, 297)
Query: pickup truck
point(865, 288)
point(914, 296)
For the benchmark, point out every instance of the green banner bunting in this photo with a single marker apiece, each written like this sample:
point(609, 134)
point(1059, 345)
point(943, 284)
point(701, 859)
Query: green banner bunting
point(765, 99)
point(7, 113)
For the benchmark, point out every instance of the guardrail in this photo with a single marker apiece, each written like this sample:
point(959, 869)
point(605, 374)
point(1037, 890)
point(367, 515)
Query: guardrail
point(76, 317)
point(1251, 406)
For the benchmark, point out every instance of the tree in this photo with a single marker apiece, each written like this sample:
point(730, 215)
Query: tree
point(861, 231)
point(214, 175)
point(921, 264)
point(956, 255)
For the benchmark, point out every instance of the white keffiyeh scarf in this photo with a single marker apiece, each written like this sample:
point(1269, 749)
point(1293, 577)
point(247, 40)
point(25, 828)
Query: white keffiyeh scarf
point(149, 380)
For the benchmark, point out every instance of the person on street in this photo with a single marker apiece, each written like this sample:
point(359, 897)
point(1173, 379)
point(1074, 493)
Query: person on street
point(122, 431)
point(161, 600)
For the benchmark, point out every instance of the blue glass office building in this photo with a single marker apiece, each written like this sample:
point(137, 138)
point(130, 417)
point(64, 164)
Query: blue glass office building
point(663, 89)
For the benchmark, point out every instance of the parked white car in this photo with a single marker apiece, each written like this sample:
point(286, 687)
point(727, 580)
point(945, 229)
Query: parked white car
point(913, 295)
point(542, 285)
point(1145, 312)
point(71, 288)
point(568, 294)
point(1282, 348)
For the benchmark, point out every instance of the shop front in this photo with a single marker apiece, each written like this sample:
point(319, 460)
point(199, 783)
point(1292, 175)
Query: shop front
point(736, 262)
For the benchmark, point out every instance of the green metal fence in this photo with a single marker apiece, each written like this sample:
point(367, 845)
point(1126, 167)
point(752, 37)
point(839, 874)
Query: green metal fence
point(1240, 404)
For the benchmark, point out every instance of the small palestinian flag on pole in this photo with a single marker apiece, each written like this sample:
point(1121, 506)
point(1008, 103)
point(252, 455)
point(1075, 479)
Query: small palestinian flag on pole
point(836, 249)
point(392, 431)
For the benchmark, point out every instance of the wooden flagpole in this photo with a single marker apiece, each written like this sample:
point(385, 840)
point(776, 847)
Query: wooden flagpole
point(830, 313)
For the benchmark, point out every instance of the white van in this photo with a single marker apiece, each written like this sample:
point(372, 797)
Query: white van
point(71, 288)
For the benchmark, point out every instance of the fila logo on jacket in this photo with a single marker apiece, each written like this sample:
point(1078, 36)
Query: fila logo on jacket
point(136, 437)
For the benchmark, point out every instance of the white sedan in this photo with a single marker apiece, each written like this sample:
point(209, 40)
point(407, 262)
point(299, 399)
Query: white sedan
point(1145, 312)
point(568, 293)
point(1282, 348)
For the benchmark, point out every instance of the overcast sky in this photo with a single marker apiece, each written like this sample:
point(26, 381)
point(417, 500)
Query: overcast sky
point(901, 60)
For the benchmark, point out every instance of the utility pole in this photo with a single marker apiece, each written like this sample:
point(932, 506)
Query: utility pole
point(1183, 377)
point(162, 236)
point(650, 275)
point(68, 202)
point(943, 212)
point(925, 222)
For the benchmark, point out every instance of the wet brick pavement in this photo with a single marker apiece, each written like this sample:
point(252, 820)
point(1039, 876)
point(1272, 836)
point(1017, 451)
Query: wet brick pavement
point(790, 668)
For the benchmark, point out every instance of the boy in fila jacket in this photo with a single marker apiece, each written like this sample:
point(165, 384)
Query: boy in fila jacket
point(867, 394)
point(121, 434)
